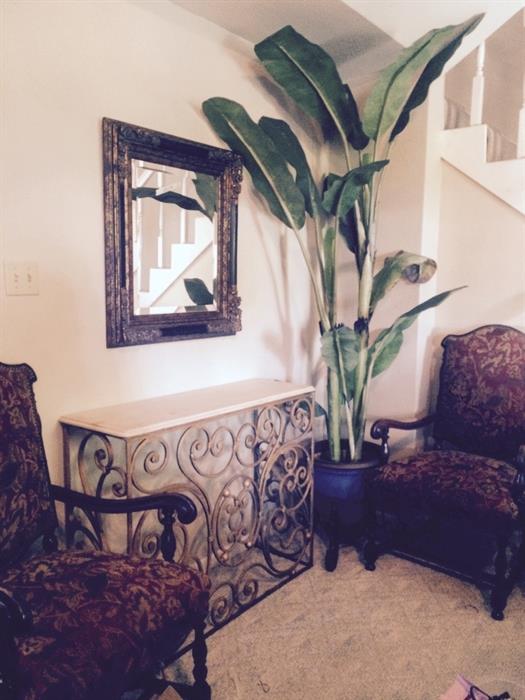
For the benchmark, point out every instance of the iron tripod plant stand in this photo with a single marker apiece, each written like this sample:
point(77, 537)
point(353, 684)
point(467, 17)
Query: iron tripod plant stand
point(343, 498)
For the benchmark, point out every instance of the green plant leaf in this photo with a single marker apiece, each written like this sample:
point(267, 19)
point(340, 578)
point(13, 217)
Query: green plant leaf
point(320, 411)
point(341, 193)
point(412, 267)
point(168, 198)
point(349, 193)
point(355, 133)
point(432, 71)
point(404, 84)
point(198, 292)
point(388, 353)
point(290, 148)
point(347, 341)
point(332, 186)
point(268, 169)
point(206, 187)
point(309, 76)
point(388, 342)
point(348, 230)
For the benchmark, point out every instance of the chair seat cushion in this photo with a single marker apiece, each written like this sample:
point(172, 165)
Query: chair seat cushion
point(452, 481)
point(92, 612)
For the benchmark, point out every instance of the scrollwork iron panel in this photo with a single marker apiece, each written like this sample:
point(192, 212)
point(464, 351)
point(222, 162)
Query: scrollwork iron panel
point(250, 476)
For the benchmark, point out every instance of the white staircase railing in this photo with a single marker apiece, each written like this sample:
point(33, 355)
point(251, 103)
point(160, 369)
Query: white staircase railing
point(484, 134)
point(478, 88)
point(499, 147)
point(471, 100)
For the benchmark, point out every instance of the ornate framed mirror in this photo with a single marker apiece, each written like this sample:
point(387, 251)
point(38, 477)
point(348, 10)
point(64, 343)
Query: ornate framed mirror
point(170, 209)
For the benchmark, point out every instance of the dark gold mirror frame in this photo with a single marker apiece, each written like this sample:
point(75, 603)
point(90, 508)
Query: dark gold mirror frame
point(121, 143)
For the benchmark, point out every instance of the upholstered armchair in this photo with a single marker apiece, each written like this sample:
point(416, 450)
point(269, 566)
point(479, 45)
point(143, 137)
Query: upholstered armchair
point(78, 625)
point(474, 475)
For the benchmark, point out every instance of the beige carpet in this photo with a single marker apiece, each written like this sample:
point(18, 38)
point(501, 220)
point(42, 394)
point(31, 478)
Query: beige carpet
point(402, 632)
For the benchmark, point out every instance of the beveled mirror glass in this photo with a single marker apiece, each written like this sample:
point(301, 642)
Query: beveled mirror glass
point(170, 224)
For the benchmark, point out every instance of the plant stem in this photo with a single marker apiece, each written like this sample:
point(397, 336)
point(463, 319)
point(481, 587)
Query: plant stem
point(334, 415)
point(360, 394)
point(348, 410)
point(321, 310)
point(363, 316)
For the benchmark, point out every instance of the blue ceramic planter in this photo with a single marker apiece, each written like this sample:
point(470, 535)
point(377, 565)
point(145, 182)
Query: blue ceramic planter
point(340, 495)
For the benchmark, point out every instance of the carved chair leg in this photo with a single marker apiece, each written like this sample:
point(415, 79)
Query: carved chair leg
point(516, 568)
point(518, 564)
point(201, 689)
point(500, 591)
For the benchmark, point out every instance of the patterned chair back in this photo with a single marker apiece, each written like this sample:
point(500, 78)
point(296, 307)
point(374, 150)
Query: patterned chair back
point(26, 508)
point(481, 401)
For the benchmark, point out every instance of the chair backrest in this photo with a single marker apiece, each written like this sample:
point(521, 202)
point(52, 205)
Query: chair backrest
point(26, 508)
point(481, 401)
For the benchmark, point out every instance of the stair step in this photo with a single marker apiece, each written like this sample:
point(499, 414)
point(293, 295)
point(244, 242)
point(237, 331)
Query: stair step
point(466, 150)
point(182, 257)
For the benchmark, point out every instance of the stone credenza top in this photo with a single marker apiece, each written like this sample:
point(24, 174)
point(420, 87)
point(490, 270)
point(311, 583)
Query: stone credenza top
point(161, 413)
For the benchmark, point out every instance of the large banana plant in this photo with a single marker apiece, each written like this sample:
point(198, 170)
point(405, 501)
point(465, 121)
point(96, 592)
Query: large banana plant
point(343, 206)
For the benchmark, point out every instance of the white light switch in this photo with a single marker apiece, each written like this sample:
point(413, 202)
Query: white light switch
point(21, 278)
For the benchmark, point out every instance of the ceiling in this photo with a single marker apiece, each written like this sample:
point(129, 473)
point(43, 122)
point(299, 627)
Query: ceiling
point(346, 34)
point(361, 35)
point(406, 20)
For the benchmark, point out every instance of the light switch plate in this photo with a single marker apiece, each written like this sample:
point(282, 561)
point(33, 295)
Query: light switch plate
point(21, 278)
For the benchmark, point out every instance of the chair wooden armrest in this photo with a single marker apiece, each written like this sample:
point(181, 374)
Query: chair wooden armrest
point(169, 505)
point(182, 505)
point(380, 430)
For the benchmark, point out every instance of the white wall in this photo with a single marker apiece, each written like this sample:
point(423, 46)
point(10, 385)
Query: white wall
point(481, 245)
point(400, 221)
point(65, 66)
point(68, 64)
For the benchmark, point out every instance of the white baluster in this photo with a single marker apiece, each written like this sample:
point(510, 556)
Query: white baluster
point(160, 233)
point(478, 87)
point(452, 115)
point(183, 212)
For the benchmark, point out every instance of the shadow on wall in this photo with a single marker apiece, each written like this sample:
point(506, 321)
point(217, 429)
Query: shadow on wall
point(278, 341)
point(431, 367)
point(281, 340)
point(403, 442)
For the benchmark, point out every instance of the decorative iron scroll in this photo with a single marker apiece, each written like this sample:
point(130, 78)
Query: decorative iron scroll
point(250, 476)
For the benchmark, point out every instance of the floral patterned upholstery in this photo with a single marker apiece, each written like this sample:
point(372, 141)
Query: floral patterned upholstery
point(26, 510)
point(480, 423)
point(99, 619)
point(98, 616)
point(477, 474)
point(481, 403)
point(451, 481)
